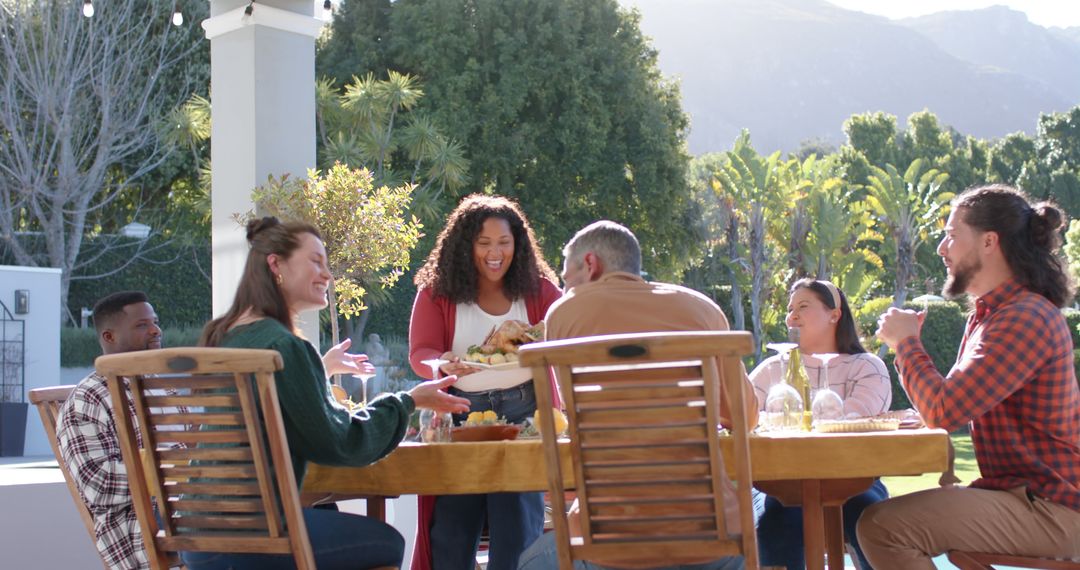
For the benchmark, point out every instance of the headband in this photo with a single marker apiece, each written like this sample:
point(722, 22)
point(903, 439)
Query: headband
point(832, 291)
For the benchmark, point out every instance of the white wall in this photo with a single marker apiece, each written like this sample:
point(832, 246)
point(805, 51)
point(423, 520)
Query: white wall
point(42, 337)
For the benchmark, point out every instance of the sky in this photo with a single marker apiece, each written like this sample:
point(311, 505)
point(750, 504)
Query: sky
point(1061, 13)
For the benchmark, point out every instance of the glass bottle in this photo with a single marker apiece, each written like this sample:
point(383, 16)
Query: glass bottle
point(798, 379)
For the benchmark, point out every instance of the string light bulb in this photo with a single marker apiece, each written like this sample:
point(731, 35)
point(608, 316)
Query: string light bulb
point(177, 18)
point(88, 8)
point(328, 9)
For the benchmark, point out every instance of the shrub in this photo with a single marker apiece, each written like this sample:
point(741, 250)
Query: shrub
point(1072, 317)
point(79, 347)
point(941, 335)
point(866, 317)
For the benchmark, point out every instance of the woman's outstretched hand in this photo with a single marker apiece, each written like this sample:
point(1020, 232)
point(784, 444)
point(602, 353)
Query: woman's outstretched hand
point(431, 395)
point(338, 360)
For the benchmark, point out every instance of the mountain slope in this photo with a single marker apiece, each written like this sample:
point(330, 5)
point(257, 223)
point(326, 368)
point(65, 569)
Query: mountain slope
point(793, 70)
point(1003, 38)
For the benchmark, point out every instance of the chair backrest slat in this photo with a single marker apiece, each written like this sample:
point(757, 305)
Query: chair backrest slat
point(214, 460)
point(48, 402)
point(643, 413)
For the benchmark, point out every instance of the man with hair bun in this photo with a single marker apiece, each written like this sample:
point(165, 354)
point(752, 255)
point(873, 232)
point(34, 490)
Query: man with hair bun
point(1013, 384)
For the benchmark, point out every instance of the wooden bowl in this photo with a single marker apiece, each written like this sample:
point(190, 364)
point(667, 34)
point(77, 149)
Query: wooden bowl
point(495, 432)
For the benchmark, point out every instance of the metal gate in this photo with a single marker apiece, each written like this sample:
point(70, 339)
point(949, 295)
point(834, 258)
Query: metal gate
point(12, 356)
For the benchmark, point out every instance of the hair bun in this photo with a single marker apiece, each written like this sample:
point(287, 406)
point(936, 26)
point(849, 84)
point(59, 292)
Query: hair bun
point(257, 225)
point(1046, 221)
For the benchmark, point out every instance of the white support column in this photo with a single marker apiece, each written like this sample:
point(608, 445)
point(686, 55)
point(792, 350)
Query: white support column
point(263, 95)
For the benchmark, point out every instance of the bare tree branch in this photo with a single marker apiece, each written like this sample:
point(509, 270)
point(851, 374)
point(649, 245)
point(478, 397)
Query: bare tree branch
point(77, 107)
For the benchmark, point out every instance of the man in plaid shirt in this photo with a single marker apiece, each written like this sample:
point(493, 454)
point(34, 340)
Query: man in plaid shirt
point(1013, 383)
point(86, 432)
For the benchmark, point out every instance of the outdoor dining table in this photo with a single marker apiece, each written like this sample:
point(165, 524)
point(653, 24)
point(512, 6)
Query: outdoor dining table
point(816, 470)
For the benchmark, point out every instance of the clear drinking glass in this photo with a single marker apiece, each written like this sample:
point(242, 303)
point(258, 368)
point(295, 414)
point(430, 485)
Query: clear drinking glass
point(435, 426)
point(783, 404)
point(363, 377)
point(827, 405)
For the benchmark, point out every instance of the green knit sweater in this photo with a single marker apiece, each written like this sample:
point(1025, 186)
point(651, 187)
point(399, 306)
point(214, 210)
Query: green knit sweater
point(316, 428)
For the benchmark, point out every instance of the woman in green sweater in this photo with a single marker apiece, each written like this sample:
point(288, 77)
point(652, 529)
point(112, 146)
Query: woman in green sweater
point(286, 272)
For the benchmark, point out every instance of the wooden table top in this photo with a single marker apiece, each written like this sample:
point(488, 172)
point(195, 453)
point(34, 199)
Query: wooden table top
point(515, 466)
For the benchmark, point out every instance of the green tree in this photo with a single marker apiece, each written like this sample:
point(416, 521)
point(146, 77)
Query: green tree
point(78, 113)
point(1009, 157)
point(836, 244)
point(752, 186)
point(372, 123)
point(357, 40)
point(367, 229)
point(924, 139)
point(908, 208)
point(1072, 249)
point(874, 135)
point(559, 104)
point(1057, 139)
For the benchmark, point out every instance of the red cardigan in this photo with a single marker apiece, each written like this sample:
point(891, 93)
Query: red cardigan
point(431, 334)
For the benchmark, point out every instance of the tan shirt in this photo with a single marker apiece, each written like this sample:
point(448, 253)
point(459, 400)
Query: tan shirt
point(625, 303)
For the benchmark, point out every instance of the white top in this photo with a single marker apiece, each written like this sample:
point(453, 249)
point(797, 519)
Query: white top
point(471, 325)
point(862, 380)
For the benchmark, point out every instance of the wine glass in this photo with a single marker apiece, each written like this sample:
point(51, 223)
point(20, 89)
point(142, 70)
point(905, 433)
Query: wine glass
point(783, 404)
point(435, 364)
point(363, 377)
point(435, 426)
point(827, 404)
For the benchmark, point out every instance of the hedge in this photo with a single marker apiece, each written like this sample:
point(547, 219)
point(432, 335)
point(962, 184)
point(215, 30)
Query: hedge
point(79, 347)
point(171, 277)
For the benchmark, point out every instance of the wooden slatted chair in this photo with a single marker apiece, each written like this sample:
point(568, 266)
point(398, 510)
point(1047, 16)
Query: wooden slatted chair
point(983, 561)
point(643, 413)
point(232, 488)
point(48, 402)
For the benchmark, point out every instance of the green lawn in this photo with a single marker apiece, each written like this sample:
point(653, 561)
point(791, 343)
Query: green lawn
point(966, 469)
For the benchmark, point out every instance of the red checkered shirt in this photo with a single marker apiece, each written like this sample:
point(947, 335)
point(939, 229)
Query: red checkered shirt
point(1014, 382)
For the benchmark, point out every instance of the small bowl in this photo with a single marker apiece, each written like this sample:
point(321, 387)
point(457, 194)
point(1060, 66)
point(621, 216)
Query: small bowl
point(495, 432)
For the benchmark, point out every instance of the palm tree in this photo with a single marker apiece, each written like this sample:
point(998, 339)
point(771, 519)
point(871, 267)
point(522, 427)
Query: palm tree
point(754, 185)
point(839, 229)
point(908, 208)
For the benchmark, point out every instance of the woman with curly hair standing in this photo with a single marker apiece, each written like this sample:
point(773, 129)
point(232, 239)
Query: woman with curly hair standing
point(486, 268)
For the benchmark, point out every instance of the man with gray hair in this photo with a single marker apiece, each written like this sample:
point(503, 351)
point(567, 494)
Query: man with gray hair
point(605, 294)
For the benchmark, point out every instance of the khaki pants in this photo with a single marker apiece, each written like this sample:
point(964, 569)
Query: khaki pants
point(907, 531)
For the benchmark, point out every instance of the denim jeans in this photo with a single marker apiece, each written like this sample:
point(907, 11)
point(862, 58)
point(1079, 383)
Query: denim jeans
point(780, 530)
point(340, 541)
point(514, 520)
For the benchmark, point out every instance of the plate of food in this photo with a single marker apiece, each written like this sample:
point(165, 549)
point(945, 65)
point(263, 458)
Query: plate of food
point(500, 347)
point(493, 432)
point(489, 366)
point(484, 426)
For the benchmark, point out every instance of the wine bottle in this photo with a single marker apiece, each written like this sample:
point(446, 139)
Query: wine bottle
point(798, 379)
